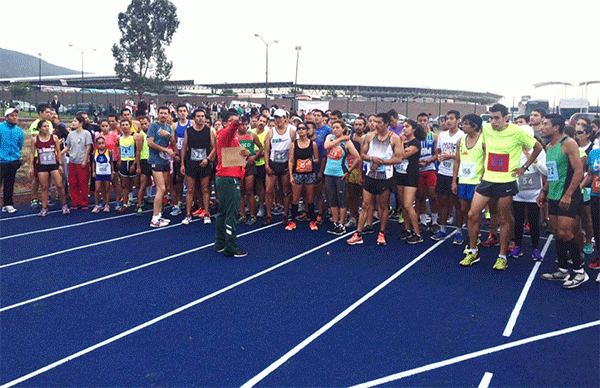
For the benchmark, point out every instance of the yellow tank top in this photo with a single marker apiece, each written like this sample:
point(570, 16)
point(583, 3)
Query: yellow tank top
point(471, 162)
point(127, 148)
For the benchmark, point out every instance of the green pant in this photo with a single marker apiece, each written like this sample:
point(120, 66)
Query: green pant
point(229, 208)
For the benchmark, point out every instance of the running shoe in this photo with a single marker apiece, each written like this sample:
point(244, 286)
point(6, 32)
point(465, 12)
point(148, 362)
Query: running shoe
point(261, 212)
point(290, 226)
point(557, 275)
point(511, 245)
point(9, 209)
point(251, 221)
point(168, 221)
point(351, 223)
point(35, 204)
point(414, 239)
point(458, 239)
point(302, 217)
point(65, 209)
point(368, 229)
point(277, 211)
point(341, 229)
point(400, 218)
point(122, 209)
point(241, 219)
point(319, 219)
point(43, 212)
point(186, 220)
point(576, 280)
point(356, 239)
point(139, 211)
point(239, 253)
point(313, 225)
point(96, 209)
point(595, 264)
point(435, 227)
point(159, 224)
point(207, 219)
point(439, 236)
point(536, 255)
point(107, 208)
point(450, 220)
point(333, 229)
point(492, 241)
point(268, 221)
point(588, 248)
point(85, 207)
point(423, 227)
point(468, 246)
point(198, 213)
point(598, 278)
point(405, 234)
point(487, 215)
point(176, 211)
point(118, 206)
point(470, 259)
point(501, 264)
point(381, 239)
point(516, 252)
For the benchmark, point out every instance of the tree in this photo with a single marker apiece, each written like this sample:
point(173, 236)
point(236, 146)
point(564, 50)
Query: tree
point(146, 27)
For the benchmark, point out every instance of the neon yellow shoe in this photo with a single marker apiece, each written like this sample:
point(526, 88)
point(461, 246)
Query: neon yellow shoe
point(501, 264)
point(470, 259)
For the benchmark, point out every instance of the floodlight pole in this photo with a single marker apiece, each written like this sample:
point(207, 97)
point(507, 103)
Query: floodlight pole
point(266, 68)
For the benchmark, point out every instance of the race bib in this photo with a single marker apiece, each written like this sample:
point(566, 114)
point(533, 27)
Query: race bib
point(529, 182)
point(103, 169)
point(304, 166)
point(402, 167)
point(281, 156)
point(47, 158)
point(552, 170)
point(197, 154)
point(596, 185)
point(446, 164)
point(165, 156)
point(180, 143)
point(466, 170)
point(498, 162)
point(127, 151)
point(335, 153)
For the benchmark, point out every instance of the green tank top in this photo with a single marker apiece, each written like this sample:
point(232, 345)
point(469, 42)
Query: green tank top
point(560, 171)
point(247, 142)
point(144, 153)
point(261, 137)
point(471, 162)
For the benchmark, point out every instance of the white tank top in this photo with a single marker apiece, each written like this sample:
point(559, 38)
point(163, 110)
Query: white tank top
point(383, 150)
point(280, 146)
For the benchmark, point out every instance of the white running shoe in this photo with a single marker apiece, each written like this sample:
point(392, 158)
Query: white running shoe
point(186, 220)
point(9, 209)
point(207, 220)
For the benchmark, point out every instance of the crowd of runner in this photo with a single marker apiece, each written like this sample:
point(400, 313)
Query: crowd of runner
point(312, 167)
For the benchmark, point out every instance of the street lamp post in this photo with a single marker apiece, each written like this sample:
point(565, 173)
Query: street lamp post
point(267, 68)
point(40, 72)
point(298, 48)
point(82, 79)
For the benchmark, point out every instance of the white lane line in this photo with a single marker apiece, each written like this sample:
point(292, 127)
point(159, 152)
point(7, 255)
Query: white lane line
point(151, 230)
point(35, 214)
point(480, 353)
point(517, 310)
point(45, 296)
point(256, 379)
point(485, 381)
point(69, 226)
point(169, 314)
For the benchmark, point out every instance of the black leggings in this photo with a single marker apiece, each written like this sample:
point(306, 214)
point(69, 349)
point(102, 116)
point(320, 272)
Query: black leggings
point(8, 173)
point(533, 215)
point(596, 221)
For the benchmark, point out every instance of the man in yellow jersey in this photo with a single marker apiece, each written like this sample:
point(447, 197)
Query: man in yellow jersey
point(143, 168)
point(504, 143)
point(259, 183)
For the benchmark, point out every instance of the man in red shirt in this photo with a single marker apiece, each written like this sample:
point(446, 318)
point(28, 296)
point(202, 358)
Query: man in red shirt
point(228, 187)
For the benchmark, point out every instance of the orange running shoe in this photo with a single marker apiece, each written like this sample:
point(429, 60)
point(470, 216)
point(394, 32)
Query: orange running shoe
point(381, 239)
point(314, 226)
point(291, 225)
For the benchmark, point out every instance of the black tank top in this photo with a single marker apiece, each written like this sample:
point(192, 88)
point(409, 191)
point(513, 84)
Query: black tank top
point(302, 153)
point(197, 140)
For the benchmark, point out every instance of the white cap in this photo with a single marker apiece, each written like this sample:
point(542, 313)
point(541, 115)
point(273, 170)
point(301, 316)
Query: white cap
point(279, 113)
point(10, 111)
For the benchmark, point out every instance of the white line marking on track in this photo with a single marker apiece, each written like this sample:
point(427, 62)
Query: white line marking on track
point(256, 379)
point(485, 381)
point(92, 245)
point(35, 214)
point(171, 313)
point(517, 310)
point(45, 296)
point(69, 226)
point(480, 353)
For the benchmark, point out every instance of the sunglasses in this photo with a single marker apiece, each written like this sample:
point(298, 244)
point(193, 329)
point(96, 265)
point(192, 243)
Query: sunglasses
point(301, 128)
point(580, 132)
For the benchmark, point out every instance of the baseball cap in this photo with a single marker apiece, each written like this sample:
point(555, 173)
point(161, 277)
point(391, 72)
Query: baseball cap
point(279, 113)
point(10, 111)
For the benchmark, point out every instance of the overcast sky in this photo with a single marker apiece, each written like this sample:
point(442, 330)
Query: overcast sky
point(502, 47)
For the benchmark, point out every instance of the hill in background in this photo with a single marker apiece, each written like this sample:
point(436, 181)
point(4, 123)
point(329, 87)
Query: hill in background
point(14, 64)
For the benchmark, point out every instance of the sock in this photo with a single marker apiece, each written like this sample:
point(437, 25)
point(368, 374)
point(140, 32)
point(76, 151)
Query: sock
point(423, 218)
point(473, 251)
point(443, 228)
point(502, 257)
point(434, 218)
point(155, 219)
point(561, 254)
point(573, 249)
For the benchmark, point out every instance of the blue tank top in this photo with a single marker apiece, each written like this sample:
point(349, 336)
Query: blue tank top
point(335, 158)
point(180, 133)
